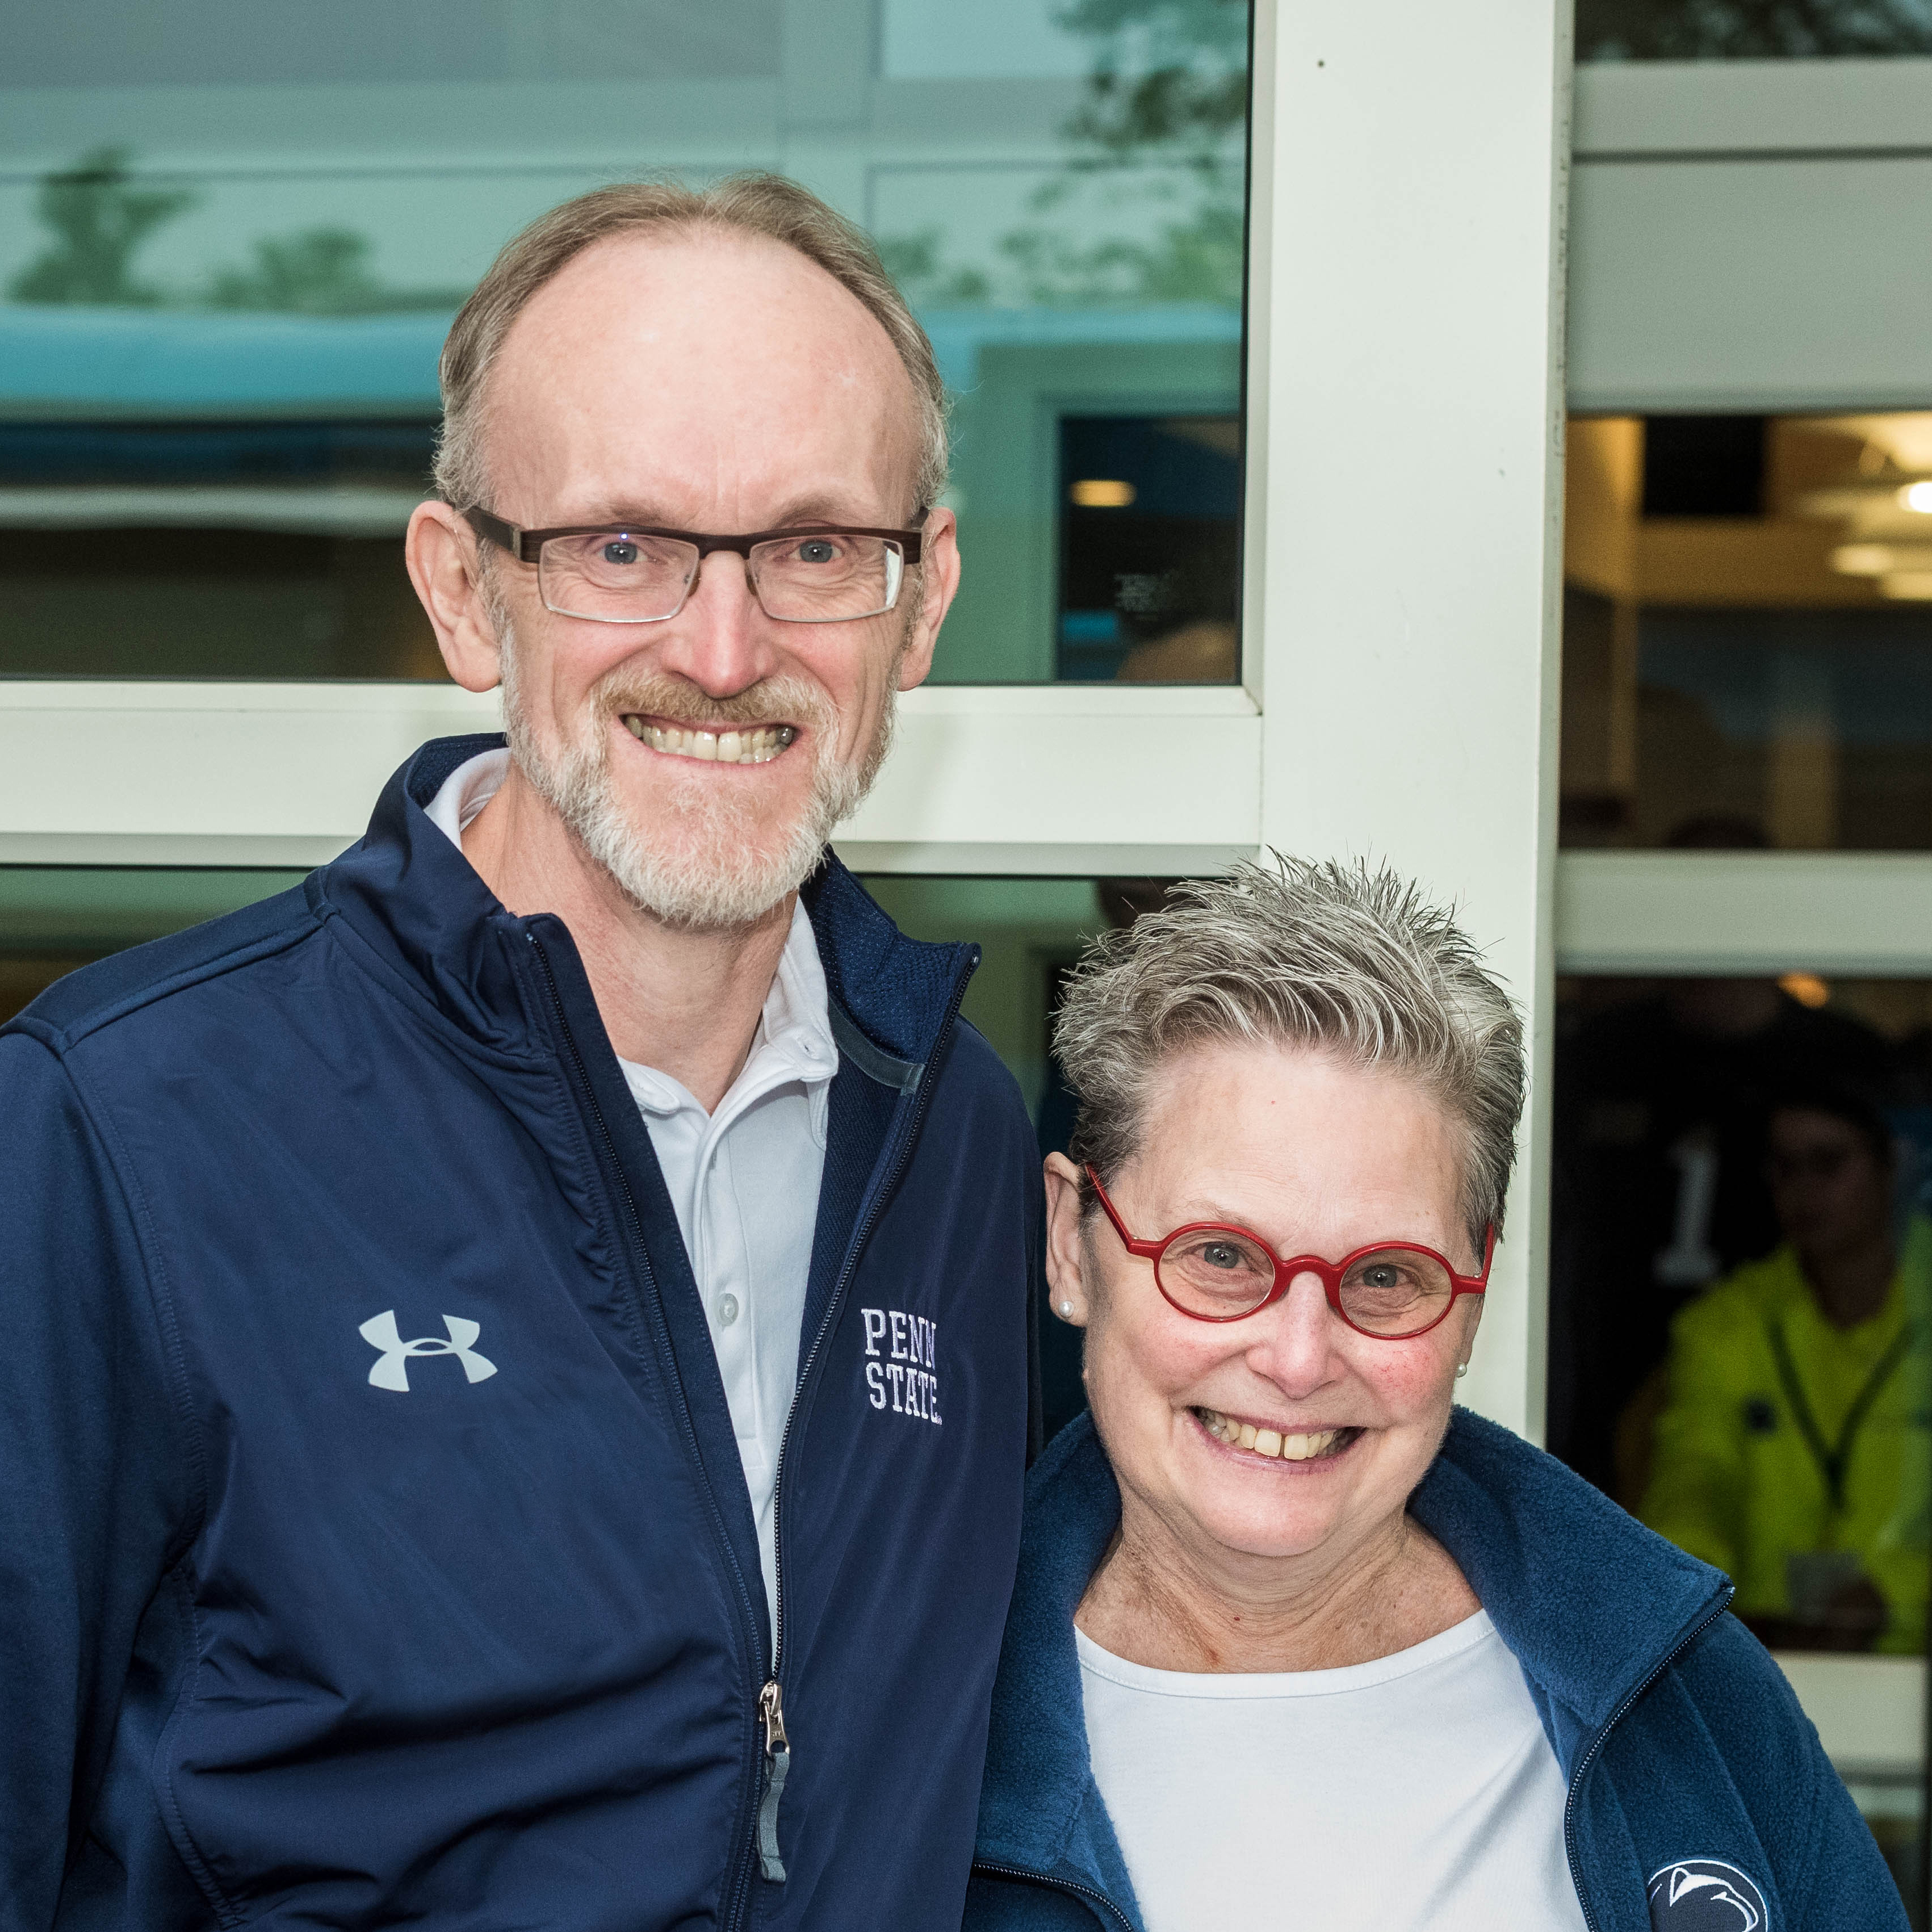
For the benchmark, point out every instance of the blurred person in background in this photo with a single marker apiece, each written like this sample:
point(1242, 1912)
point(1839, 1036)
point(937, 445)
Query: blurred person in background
point(1659, 1175)
point(1793, 1453)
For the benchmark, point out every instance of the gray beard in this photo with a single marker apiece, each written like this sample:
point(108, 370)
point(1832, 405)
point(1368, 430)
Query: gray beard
point(730, 871)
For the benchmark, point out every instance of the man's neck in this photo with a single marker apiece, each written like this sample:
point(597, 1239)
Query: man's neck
point(685, 1003)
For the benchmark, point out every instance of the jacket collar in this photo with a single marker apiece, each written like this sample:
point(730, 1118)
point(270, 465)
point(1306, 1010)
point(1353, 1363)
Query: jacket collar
point(1592, 1604)
point(419, 905)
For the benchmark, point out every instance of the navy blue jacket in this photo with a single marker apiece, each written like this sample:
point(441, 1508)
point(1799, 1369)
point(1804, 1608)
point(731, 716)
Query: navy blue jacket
point(1695, 1780)
point(480, 1642)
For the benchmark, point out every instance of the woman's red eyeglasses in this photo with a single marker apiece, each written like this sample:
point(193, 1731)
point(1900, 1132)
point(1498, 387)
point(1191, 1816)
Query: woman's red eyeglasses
point(1391, 1290)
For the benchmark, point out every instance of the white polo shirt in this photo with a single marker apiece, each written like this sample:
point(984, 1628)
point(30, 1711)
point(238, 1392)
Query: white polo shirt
point(744, 1180)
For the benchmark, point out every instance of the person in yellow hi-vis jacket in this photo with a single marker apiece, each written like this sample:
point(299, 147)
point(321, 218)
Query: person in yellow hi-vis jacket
point(1794, 1451)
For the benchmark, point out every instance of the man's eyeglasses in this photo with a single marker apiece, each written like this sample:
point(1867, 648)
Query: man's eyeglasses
point(819, 574)
point(1391, 1290)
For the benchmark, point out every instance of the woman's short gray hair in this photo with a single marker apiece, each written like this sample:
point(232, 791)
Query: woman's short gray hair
point(1356, 962)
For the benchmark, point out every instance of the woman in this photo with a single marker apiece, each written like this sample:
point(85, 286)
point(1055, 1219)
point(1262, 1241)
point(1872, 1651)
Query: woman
point(1292, 1641)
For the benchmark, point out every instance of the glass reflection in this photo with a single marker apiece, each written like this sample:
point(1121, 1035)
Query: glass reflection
point(1682, 30)
point(219, 344)
point(1748, 630)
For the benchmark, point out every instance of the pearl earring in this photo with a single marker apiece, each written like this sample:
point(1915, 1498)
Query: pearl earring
point(1067, 1308)
point(1462, 1369)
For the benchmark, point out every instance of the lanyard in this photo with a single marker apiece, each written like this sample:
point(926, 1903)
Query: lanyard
point(1833, 1462)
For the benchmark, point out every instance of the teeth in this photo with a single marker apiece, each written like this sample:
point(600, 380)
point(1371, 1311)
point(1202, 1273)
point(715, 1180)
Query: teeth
point(757, 746)
point(1268, 1441)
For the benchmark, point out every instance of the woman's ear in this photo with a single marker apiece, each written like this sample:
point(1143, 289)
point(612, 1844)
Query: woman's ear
point(1066, 1246)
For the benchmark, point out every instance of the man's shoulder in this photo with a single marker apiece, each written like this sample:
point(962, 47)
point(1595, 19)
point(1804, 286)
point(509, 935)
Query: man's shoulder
point(108, 992)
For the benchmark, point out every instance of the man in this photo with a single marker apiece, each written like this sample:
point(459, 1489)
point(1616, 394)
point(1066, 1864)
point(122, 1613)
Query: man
point(516, 1379)
point(1793, 1451)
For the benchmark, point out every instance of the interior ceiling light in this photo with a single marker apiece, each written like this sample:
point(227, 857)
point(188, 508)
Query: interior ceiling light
point(1806, 988)
point(1102, 493)
point(1916, 497)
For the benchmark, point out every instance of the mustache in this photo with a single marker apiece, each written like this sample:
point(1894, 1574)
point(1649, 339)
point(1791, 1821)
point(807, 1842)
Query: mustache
point(773, 700)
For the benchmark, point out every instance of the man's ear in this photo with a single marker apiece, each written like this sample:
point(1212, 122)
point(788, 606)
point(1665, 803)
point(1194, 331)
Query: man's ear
point(939, 567)
point(1065, 1244)
point(441, 553)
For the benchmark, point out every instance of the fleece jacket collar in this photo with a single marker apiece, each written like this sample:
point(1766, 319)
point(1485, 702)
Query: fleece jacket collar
point(1537, 1543)
point(408, 891)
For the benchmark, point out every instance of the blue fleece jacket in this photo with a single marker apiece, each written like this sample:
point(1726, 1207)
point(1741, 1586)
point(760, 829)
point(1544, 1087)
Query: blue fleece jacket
point(1700, 1799)
point(374, 1544)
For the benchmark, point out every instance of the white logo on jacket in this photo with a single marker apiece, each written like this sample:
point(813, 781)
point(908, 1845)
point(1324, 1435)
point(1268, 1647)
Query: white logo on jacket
point(1705, 1895)
point(904, 1369)
point(392, 1368)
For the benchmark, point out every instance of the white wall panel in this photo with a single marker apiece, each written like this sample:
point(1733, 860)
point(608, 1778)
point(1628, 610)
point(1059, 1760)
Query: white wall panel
point(1405, 328)
point(1071, 779)
point(1752, 236)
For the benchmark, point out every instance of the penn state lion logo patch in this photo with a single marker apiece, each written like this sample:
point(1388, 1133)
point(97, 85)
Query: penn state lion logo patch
point(1705, 1895)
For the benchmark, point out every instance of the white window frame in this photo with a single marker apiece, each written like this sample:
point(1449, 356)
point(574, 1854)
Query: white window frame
point(1405, 396)
point(1406, 294)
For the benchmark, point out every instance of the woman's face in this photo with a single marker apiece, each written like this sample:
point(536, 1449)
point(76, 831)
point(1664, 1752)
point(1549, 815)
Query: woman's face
point(1316, 1156)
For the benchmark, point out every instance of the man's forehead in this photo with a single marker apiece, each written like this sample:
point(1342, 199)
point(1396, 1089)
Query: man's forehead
point(723, 349)
point(712, 298)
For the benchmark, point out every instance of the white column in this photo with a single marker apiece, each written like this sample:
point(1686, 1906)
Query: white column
point(1405, 554)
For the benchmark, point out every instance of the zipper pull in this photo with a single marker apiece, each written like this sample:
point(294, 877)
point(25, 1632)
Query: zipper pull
point(777, 1762)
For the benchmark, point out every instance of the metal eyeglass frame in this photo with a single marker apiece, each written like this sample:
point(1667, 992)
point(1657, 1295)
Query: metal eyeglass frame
point(526, 546)
point(1330, 1273)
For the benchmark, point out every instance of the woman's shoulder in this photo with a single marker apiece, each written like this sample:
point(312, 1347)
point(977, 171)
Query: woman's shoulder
point(1748, 1783)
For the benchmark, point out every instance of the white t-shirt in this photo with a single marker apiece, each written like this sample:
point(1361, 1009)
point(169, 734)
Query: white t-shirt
point(744, 1181)
point(1417, 1793)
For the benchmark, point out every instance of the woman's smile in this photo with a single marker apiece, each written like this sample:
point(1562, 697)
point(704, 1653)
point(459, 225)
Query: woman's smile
point(1260, 1442)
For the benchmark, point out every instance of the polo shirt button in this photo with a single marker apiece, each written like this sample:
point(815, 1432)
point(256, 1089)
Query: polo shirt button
point(727, 1310)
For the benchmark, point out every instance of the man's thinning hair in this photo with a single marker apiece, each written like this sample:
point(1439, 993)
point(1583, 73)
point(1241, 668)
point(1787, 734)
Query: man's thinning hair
point(763, 204)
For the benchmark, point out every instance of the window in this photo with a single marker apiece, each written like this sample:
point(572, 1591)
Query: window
point(230, 247)
point(1686, 30)
point(1748, 632)
point(1740, 1273)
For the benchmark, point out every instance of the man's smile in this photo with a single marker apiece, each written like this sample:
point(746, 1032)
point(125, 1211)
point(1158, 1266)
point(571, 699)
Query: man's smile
point(728, 745)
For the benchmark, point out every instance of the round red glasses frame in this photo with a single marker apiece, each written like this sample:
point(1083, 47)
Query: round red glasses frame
point(1432, 1283)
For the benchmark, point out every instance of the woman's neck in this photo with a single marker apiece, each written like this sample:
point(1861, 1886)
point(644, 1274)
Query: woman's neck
point(1153, 1601)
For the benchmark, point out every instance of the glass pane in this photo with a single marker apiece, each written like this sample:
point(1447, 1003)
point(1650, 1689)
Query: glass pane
point(1748, 632)
point(1682, 30)
point(1740, 1293)
point(230, 247)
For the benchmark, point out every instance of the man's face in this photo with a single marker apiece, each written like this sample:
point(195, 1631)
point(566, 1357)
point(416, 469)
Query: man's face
point(720, 384)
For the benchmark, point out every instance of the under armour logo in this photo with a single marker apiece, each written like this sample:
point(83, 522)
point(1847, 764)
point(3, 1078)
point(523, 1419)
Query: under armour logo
point(1705, 1895)
point(392, 1371)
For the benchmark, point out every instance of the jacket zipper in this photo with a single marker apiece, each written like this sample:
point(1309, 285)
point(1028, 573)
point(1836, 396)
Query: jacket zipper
point(1090, 1893)
point(771, 1698)
point(617, 1170)
point(1592, 1750)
